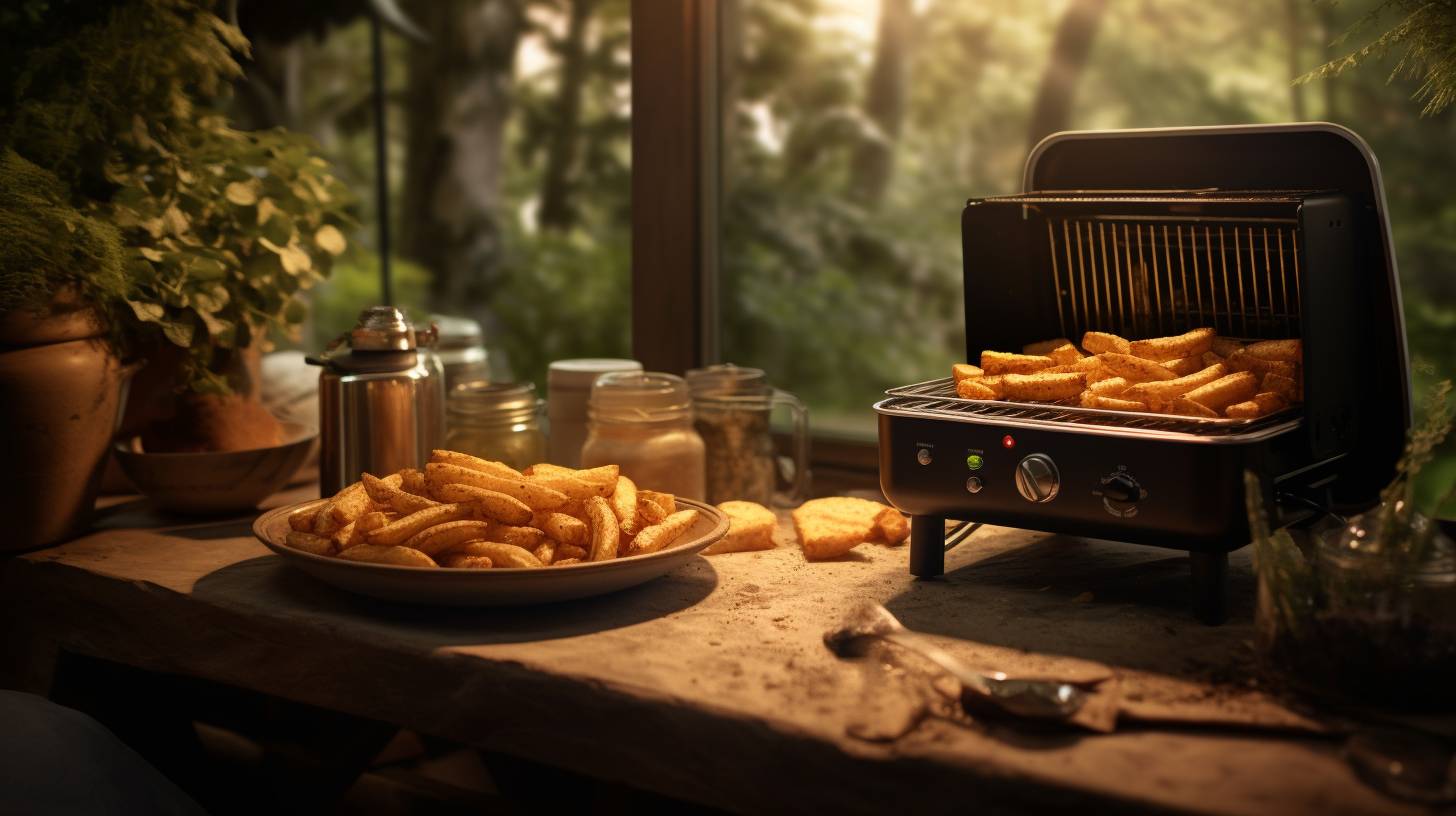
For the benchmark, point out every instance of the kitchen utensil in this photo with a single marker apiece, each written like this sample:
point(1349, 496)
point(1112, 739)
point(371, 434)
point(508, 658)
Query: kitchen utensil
point(211, 482)
point(1039, 699)
point(381, 400)
point(732, 407)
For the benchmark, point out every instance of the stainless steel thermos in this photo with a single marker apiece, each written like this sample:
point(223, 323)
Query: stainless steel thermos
point(381, 400)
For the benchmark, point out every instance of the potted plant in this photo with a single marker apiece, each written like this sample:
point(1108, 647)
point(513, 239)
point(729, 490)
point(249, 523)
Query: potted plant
point(136, 211)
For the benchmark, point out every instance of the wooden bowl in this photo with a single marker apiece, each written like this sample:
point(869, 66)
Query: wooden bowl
point(213, 483)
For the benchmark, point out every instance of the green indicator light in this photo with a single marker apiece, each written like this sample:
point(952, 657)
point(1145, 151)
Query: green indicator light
point(974, 461)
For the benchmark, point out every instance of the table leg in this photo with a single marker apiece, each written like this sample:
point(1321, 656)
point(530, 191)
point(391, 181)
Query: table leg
point(927, 546)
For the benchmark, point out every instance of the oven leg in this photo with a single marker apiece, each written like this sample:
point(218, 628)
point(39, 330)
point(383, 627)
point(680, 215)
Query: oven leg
point(1210, 586)
point(927, 546)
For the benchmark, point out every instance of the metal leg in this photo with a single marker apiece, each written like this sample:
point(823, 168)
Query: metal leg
point(1210, 586)
point(927, 546)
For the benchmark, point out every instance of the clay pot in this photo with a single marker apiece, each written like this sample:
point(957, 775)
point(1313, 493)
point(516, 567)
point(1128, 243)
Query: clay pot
point(61, 392)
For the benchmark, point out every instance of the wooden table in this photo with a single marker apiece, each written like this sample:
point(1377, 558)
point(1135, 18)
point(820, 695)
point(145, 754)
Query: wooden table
point(712, 684)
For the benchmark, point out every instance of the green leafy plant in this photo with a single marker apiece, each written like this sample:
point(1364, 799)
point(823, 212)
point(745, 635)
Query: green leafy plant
point(219, 229)
point(1426, 38)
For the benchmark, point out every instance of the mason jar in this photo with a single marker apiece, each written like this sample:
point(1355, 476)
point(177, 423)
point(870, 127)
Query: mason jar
point(643, 421)
point(496, 421)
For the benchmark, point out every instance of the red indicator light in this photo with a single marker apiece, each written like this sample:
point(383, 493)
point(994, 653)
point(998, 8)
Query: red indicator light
point(1008, 442)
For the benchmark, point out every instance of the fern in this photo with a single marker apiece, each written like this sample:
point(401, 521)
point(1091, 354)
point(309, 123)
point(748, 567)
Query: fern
point(1426, 39)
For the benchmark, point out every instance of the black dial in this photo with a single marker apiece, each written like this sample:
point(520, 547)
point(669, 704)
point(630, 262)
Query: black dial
point(1121, 488)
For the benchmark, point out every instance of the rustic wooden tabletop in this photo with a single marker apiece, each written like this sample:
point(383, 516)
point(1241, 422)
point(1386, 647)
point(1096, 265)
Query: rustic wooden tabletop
point(713, 685)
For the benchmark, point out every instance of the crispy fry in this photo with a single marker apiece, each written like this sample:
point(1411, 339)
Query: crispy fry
point(604, 475)
point(412, 480)
point(1183, 366)
point(442, 537)
point(382, 492)
point(1284, 386)
point(1045, 347)
point(1091, 400)
point(605, 533)
point(624, 505)
point(1242, 360)
point(1213, 358)
point(648, 511)
point(973, 389)
point(350, 503)
point(488, 503)
point(565, 562)
point(302, 520)
point(965, 371)
point(397, 556)
point(545, 552)
point(564, 551)
point(1263, 404)
point(1188, 407)
point(662, 534)
point(999, 362)
point(1102, 342)
point(465, 460)
point(507, 556)
point(527, 538)
point(309, 543)
point(1189, 344)
point(892, 525)
point(561, 527)
point(1224, 391)
point(1065, 354)
point(996, 383)
point(666, 501)
point(1291, 351)
point(357, 528)
point(1045, 387)
point(1155, 394)
point(571, 486)
point(462, 561)
point(535, 496)
point(1135, 369)
point(400, 530)
point(1224, 346)
point(1110, 387)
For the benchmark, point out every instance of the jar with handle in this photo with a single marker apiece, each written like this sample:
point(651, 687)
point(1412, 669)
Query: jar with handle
point(733, 408)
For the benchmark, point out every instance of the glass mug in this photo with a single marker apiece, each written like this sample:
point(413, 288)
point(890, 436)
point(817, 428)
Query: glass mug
point(732, 409)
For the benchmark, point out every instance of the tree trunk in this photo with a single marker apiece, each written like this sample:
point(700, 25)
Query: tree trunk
point(458, 105)
point(1070, 49)
point(1327, 28)
point(884, 105)
point(561, 151)
point(1295, 28)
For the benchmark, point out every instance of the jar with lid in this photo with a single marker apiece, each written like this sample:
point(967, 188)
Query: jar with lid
point(644, 422)
point(569, 384)
point(732, 408)
point(460, 346)
point(497, 421)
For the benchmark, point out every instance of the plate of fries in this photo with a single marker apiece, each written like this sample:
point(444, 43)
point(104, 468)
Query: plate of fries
point(1196, 374)
point(466, 531)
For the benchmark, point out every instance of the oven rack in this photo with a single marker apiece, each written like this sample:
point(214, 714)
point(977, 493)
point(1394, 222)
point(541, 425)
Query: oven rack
point(937, 399)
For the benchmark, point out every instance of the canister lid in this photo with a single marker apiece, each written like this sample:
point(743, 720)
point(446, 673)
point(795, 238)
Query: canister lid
point(456, 332)
point(636, 396)
point(580, 374)
point(728, 380)
point(481, 397)
point(382, 328)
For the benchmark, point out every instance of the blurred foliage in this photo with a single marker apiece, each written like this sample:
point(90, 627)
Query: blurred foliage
point(354, 284)
point(1426, 38)
point(221, 228)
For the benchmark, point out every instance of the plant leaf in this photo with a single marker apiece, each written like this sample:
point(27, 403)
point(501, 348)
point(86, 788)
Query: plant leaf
point(330, 240)
point(241, 193)
point(146, 312)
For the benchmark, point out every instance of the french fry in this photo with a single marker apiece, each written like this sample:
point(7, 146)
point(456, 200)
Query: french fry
point(1044, 347)
point(527, 538)
point(442, 537)
point(462, 561)
point(605, 475)
point(561, 527)
point(1224, 391)
point(382, 492)
point(1188, 344)
point(400, 530)
point(545, 552)
point(1291, 350)
point(346, 537)
point(535, 496)
point(1155, 394)
point(648, 511)
point(465, 460)
point(1214, 358)
point(1135, 369)
point(892, 525)
point(394, 555)
point(309, 543)
point(302, 520)
point(372, 520)
point(502, 556)
point(624, 505)
point(1102, 342)
point(412, 480)
point(565, 562)
point(569, 551)
point(605, 533)
point(1224, 346)
point(488, 503)
point(996, 383)
point(1000, 362)
point(973, 389)
point(1044, 387)
point(1183, 366)
point(965, 371)
point(571, 486)
point(666, 501)
point(662, 534)
point(1242, 360)
point(1112, 403)
point(1110, 387)
point(1284, 386)
point(1188, 407)
point(350, 503)
point(1065, 354)
point(1263, 404)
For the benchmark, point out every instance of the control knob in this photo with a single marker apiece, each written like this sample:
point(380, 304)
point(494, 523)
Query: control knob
point(1121, 493)
point(1037, 479)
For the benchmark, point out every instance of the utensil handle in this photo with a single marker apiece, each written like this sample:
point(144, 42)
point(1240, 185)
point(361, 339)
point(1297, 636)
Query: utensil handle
point(799, 490)
point(940, 657)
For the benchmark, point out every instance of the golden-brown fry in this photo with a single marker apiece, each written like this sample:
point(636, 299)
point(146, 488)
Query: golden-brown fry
point(1135, 369)
point(892, 526)
point(648, 511)
point(561, 527)
point(1242, 360)
point(1065, 354)
point(462, 561)
point(535, 496)
point(309, 543)
point(488, 503)
point(973, 389)
point(605, 532)
point(565, 562)
point(1263, 404)
point(1213, 358)
point(666, 501)
point(412, 480)
point(997, 384)
point(605, 475)
point(1091, 400)
point(1000, 362)
point(465, 460)
point(302, 520)
point(1188, 407)
point(1188, 344)
point(1155, 394)
point(443, 537)
point(662, 534)
point(564, 551)
point(397, 556)
point(502, 555)
point(965, 371)
point(1224, 391)
point(1110, 387)
point(1045, 346)
point(1224, 346)
point(1183, 366)
point(1284, 386)
point(624, 505)
point(393, 495)
point(1291, 351)
point(1102, 342)
point(1044, 387)
point(571, 486)
point(545, 552)
point(400, 530)
point(357, 529)
point(524, 537)
point(346, 537)
point(350, 503)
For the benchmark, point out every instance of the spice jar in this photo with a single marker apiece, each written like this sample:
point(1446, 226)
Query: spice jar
point(644, 422)
point(497, 421)
point(568, 387)
point(733, 407)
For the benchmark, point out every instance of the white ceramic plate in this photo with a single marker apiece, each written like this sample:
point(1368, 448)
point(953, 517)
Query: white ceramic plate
point(491, 587)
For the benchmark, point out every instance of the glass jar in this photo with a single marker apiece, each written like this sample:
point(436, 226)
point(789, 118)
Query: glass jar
point(568, 387)
point(497, 421)
point(732, 408)
point(644, 422)
point(460, 346)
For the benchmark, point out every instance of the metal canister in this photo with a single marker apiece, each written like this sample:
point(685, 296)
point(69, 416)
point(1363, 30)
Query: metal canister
point(381, 399)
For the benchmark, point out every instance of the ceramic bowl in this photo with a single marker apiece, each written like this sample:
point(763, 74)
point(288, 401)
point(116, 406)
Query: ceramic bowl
point(212, 483)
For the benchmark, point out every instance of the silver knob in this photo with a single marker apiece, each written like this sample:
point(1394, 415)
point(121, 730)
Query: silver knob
point(1037, 479)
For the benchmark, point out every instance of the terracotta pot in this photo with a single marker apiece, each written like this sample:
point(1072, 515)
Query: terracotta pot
point(61, 391)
